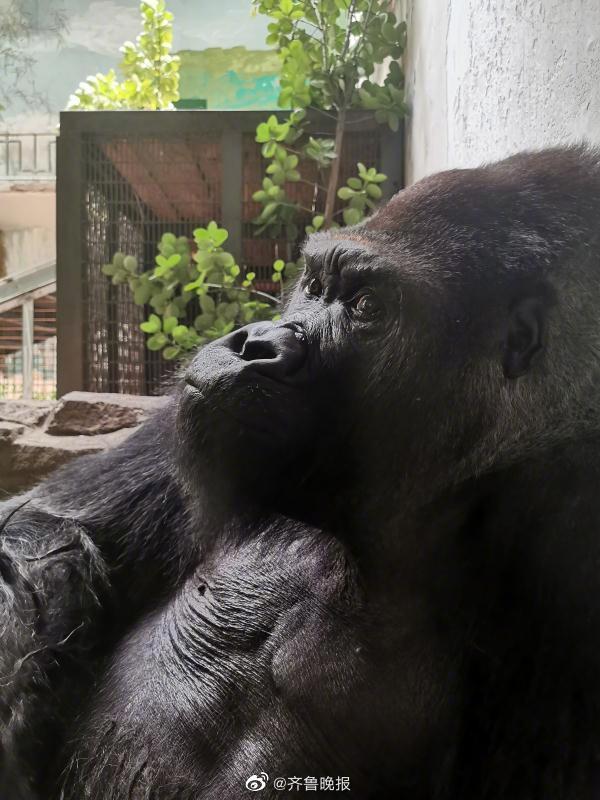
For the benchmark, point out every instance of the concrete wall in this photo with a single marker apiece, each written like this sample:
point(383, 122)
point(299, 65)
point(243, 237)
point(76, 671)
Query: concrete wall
point(26, 248)
point(28, 208)
point(425, 68)
point(486, 79)
point(27, 228)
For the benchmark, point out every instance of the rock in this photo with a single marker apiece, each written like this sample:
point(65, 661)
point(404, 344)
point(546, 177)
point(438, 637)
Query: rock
point(35, 454)
point(9, 431)
point(37, 437)
point(27, 412)
point(90, 414)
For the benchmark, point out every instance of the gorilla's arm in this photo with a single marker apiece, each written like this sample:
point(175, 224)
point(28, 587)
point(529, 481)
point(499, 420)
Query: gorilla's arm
point(81, 556)
point(128, 501)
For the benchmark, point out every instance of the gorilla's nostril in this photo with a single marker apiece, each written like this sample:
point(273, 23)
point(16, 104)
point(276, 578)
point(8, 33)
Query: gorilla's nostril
point(255, 349)
point(237, 340)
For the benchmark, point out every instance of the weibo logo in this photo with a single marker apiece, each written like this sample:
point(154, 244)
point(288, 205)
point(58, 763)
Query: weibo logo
point(256, 783)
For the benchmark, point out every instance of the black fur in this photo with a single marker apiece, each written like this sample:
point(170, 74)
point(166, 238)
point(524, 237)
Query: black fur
point(361, 542)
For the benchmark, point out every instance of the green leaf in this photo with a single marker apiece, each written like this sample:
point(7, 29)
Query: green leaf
point(152, 325)
point(355, 183)
point(171, 352)
point(263, 133)
point(268, 149)
point(374, 191)
point(359, 201)
point(180, 333)
point(141, 295)
point(352, 216)
point(207, 304)
point(279, 265)
point(204, 321)
point(169, 324)
point(268, 211)
point(130, 263)
point(277, 173)
point(220, 236)
point(204, 260)
point(345, 193)
point(225, 259)
point(156, 342)
point(173, 260)
point(231, 312)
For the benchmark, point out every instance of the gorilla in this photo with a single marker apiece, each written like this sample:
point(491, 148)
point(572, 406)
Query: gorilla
point(359, 543)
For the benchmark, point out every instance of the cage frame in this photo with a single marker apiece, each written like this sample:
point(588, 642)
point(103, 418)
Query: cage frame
point(231, 127)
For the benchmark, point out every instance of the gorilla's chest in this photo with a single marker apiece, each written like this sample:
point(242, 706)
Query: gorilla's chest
point(259, 619)
point(258, 647)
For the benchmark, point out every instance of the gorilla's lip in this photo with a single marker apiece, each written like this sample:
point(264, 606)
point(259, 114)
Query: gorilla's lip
point(250, 424)
point(259, 379)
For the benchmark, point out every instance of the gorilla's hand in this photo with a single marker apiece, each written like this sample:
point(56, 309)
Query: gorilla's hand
point(52, 586)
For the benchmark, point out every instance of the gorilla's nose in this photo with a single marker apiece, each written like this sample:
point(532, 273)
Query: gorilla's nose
point(276, 350)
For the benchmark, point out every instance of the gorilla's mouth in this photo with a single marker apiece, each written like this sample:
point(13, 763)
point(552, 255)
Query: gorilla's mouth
point(232, 412)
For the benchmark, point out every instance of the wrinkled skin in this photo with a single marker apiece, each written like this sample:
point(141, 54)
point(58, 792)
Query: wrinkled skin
point(361, 541)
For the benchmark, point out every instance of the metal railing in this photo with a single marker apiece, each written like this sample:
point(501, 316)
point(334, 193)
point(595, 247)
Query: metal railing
point(22, 291)
point(27, 156)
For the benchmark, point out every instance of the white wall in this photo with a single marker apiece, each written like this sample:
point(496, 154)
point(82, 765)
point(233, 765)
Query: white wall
point(26, 248)
point(28, 228)
point(487, 78)
point(425, 72)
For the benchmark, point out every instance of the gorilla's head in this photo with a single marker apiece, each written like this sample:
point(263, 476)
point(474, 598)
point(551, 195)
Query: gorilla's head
point(444, 335)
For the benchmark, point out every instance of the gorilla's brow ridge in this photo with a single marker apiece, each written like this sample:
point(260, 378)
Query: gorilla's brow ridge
point(336, 256)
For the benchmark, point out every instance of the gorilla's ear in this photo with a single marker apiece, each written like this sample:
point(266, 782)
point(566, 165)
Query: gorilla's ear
point(523, 336)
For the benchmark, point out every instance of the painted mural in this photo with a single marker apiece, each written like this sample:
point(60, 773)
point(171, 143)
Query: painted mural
point(221, 45)
point(230, 77)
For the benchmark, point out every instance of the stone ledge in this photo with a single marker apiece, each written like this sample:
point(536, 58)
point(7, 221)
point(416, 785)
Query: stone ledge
point(38, 437)
point(90, 414)
point(41, 453)
point(27, 412)
point(9, 431)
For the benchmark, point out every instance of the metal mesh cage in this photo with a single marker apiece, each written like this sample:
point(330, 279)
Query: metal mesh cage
point(125, 179)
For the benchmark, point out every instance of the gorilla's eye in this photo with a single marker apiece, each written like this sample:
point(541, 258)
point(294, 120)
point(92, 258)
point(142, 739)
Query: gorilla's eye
point(314, 287)
point(365, 306)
